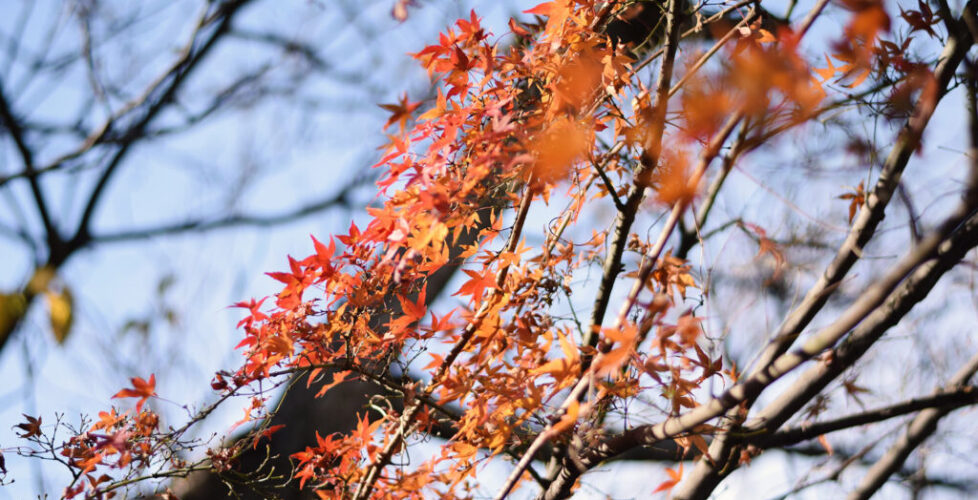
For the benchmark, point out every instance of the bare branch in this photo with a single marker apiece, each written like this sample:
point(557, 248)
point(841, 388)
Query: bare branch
point(871, 213)
point(709, 473)
point(340, 199)
point(745, 390)
point(946, 399)
point(160, 94)
point(900, 302)
point(924, 424)
point(13, 126)
point(919, 429)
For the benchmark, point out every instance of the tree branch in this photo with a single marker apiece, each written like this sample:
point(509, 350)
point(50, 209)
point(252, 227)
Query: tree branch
point(749, 388)
point(914, 289)
point(872, 211)
point(407, 420)
point(947, 399)
point(650, 158)
point(340, 199)
point(925, 423)
point(13, 126)
point(708, 473)
point(919, 429)
point(158, 96)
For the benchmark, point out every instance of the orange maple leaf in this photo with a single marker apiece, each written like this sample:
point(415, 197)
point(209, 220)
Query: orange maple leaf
point(441, 106)
point(568, 420)
point(267, 434)
point(613, 359)
point(558, 147)
point(674, 477)
point(543, 9)
point(578, 79)
point(400, 112)
point(856, 198)
point(829, 71)
point(824, 441)
point(108, 420)
point(338, 378)
point(416, 310)
point(141, 389)
point(477, 284)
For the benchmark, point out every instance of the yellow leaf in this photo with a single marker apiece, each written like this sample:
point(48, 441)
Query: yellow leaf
point(464, 450)
point(570, 350)
point(12, 309)
point(552, 366)
point(60, 313)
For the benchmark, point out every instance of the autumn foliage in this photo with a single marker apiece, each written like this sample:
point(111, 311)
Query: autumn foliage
point(549, 122)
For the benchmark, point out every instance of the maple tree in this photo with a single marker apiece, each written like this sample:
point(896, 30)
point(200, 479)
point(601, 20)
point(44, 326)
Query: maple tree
point(557, 121)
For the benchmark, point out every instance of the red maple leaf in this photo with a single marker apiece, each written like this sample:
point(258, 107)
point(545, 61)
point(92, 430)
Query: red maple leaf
point(477, 284)
point(400, 112)
point(142, 389)
point(674, 477)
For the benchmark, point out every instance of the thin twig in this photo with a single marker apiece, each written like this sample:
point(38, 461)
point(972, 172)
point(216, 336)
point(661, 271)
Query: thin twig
point(407, 420)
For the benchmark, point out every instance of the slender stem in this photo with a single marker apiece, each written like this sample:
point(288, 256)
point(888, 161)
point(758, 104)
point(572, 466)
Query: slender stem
point(943, 400)
point(650, 158)
point(407, 420)
point(713, 50)
point(13, 126)
point(587, 379)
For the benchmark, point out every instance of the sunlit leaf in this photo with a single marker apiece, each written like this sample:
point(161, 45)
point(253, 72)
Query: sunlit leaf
point(60, 313)
point(142, 389)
